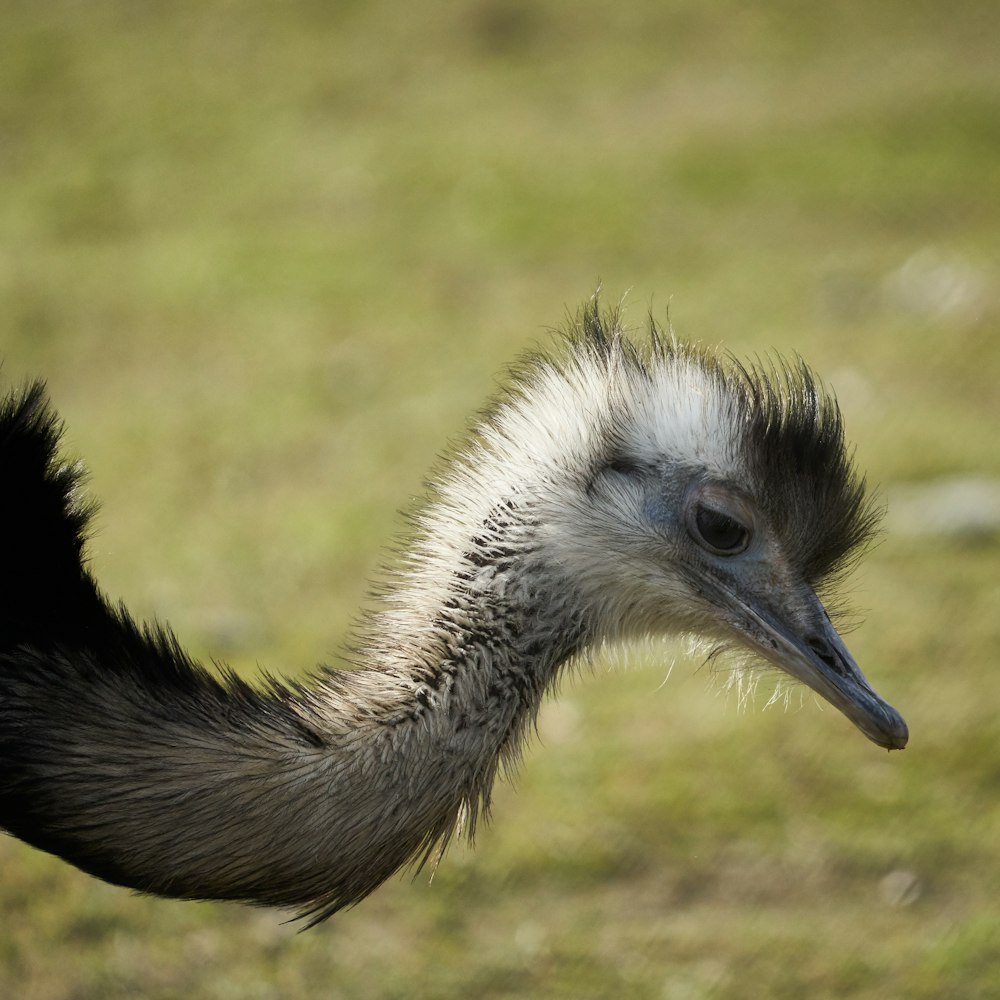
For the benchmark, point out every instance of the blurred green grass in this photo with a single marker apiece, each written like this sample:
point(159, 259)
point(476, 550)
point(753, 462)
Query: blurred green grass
point(269, 257)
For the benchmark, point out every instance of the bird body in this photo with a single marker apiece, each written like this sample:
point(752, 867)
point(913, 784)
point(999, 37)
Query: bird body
point(608, 494)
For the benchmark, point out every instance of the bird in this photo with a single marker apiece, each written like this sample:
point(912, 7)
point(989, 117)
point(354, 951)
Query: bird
point(620, 485)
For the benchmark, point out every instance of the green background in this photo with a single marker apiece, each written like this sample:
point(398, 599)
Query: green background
point(270, 256)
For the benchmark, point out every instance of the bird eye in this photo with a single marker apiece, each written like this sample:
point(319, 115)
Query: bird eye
point(718, 532)
point(624, 466)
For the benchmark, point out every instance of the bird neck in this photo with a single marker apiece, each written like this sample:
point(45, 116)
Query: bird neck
point(477, 623)
point(457, 657)
point(474, 659)
point(158, 776)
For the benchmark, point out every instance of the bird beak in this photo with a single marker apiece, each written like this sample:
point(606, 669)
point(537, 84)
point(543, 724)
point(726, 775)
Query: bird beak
point(811, 651)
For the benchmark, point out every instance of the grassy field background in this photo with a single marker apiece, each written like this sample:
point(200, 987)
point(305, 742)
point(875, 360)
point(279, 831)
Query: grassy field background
point(269, 257)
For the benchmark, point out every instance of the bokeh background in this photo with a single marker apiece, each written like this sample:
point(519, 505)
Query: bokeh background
point(270, 256)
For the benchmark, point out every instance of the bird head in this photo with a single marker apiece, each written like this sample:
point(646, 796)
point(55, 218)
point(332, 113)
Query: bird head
point(709, 498)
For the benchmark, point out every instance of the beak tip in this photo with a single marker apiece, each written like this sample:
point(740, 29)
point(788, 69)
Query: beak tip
point(891, 731)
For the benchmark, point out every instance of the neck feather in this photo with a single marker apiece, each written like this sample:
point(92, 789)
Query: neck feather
point(135, 764)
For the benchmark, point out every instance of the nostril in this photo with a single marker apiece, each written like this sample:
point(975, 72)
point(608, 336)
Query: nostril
point(827, 654)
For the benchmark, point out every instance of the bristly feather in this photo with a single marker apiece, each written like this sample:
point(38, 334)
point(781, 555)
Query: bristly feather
point(790, 427)
point(803, 472)
point(42, 566)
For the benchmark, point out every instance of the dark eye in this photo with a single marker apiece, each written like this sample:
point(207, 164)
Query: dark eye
point(624, 466)
point(718, 532)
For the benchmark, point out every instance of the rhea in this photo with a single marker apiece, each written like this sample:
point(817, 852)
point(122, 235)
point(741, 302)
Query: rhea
point(610, 492)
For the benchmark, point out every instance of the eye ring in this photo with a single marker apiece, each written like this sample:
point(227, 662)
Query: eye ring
point(718, 532)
